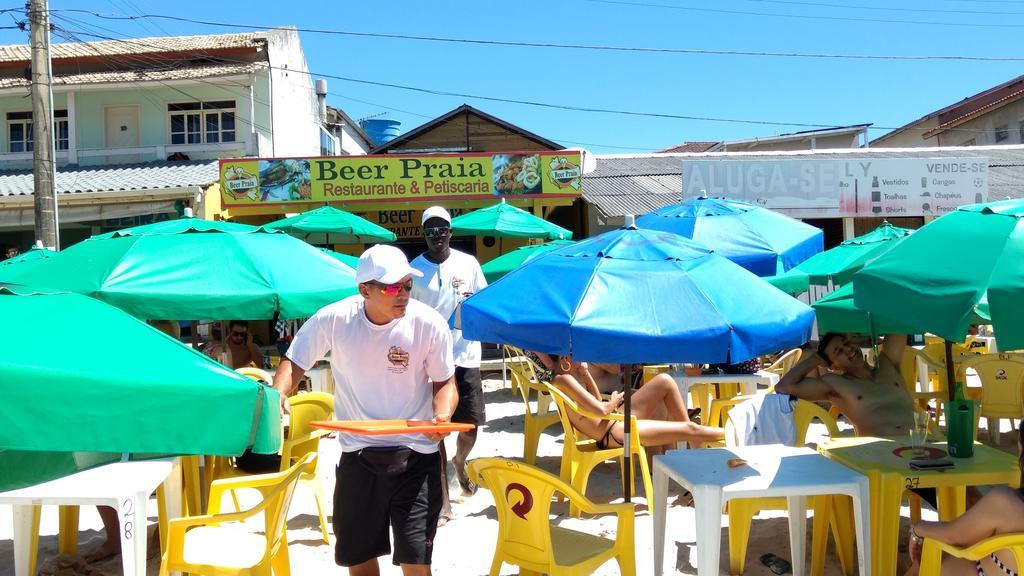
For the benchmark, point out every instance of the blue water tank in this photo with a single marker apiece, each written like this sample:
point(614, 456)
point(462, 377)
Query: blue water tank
point(381, 130)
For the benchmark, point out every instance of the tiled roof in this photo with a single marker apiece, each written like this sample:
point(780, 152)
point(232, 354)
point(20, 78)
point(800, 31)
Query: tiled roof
point(144, 176)
point(689, 147)
point(190, 72)
point(982, 109)
point(637, 184)
point(134, 46)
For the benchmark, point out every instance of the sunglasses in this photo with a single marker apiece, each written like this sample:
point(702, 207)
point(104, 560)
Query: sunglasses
point(239, 334)
point(393, 289)
point(437, 231)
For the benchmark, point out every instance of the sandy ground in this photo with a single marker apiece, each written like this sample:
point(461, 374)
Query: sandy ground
point(466, 544)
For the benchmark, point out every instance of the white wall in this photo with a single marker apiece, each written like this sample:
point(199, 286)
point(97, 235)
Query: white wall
point(296, 119)
point(911, 138)
point(351, 143)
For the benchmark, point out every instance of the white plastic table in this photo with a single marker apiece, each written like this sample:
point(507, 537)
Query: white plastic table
point(772, 470)
point(124, 486)
point(748, 382)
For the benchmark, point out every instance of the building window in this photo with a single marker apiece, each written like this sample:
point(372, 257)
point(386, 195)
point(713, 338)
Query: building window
point(1020, 128)
point(328, 143)
point(1002, 133)
point(19, 131)
point(202, 122)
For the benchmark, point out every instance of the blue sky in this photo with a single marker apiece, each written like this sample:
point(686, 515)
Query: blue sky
point(827, 91)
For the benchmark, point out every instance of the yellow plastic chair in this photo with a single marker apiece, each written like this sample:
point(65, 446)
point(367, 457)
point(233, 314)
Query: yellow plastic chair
point(931, 552)
point(302, 440)
point(785, 362)
point(1002, 380)
point(257, 374)
point(526, 537)
point(909, 371)
point(580, 455)
point(524, 378)
point(742, 510)
point(652, 370)
point(510, 354)
point(218, 544)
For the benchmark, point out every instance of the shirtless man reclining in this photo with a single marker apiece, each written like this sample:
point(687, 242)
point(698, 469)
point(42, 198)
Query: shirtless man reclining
point(657, 405)
point(875, 400)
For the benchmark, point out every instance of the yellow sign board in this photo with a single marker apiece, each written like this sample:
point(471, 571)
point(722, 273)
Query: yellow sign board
point(349, 179)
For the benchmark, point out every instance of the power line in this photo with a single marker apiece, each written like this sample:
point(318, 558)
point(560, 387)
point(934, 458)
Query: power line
point(631, 113)
point(804, 16)
point(592, 47)
point(886, 8)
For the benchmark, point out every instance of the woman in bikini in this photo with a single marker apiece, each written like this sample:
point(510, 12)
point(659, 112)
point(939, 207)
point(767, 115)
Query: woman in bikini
point(658, 406)
point(1001, 510)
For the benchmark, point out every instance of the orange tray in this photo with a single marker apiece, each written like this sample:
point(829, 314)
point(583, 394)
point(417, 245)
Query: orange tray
point(382, 427)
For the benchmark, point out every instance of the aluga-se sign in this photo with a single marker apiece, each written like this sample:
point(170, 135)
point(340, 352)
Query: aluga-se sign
point(839, 187)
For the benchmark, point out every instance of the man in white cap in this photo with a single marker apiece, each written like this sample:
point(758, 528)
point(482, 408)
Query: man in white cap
point(392, 359)
point(447, 278)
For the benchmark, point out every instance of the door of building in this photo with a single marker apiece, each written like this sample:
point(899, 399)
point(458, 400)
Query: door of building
point(121, 130)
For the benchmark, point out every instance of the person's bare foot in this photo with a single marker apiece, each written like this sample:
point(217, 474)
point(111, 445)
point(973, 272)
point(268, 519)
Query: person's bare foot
point(445, 517)
point(105, 551)
point(468, 486)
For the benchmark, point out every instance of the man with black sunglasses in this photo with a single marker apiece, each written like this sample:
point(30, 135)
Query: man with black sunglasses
point(449, 277)
point(391, 357)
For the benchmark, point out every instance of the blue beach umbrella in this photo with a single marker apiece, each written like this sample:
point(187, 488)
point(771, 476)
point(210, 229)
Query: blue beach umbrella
point(637, 296)
point(758, 239)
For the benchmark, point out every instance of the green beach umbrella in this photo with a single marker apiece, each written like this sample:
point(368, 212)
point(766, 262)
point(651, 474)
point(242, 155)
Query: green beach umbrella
point(190, 268)
point(32, 255)
point(344, 227)
point(791, 282)
point(498, 267)
point(508, 221)
point(840, 263)
point(934, 279)
point(346, 259)
point(838, 313)
point(84, 383)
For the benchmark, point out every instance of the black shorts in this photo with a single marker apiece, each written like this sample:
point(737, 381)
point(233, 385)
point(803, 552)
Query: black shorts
point(471, 397)
point(381, 487)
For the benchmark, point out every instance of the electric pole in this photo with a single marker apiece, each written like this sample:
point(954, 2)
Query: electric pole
point(43, 170)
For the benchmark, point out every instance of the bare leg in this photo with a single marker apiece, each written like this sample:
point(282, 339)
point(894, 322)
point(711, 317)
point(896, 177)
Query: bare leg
point(112, 529)
point(446, 504)
point(660, 432)
point(463, 445)
point(415, 569)
point(659, 392)
point(368, 568)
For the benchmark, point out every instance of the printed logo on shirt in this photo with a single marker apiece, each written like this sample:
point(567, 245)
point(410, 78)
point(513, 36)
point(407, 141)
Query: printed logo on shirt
point(399, 359)
point(457, 283)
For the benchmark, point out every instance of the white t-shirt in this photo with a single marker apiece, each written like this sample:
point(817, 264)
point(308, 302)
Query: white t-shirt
point(442, 286)
point(380, 372)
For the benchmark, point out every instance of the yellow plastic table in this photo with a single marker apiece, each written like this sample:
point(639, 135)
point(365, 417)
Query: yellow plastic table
point(889, 474)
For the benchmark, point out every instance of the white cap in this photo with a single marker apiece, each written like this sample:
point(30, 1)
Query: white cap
point(384, 264)
point(436, 212)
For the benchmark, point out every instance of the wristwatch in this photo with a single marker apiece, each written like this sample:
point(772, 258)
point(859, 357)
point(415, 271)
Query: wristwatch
point(914, 536)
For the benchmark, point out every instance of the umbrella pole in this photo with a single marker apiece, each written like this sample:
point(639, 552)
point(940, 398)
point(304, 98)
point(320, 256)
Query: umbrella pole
point(627, 459)
point(950, 376)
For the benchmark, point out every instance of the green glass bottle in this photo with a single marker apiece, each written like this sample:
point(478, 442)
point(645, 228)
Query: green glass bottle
point(960, 424)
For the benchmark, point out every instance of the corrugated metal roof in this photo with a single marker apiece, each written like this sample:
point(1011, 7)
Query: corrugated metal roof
point(70, 50)
point(191, 72)
point(637, 184)
point(143, 176)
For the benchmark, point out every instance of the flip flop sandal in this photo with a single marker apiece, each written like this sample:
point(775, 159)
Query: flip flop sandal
point(775, 564)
